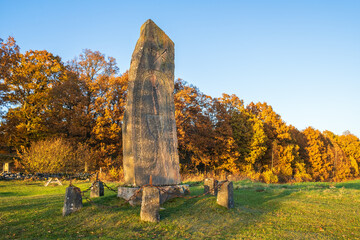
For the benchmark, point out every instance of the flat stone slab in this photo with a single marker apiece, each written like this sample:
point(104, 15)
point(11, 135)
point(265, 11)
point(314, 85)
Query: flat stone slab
point(166, 193)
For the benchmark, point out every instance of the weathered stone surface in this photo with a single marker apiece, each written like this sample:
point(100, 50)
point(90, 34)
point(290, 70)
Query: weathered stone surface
point(127, 192)
point(170, 192)
point(97, 189)
point(149, 129)
point(210, 186)
point(150, 205)
point(166, 193)
point(225, 196)
point(73, 200)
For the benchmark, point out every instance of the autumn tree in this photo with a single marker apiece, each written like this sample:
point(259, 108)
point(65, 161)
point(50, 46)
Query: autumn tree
point(343, 168)
point(194, 127)
point(300, 173)
point(247, 134)
point(101, 104)
point(9, 59)
point(319, 166)
point(282, 152)
point(225, 153)
point(27, 79)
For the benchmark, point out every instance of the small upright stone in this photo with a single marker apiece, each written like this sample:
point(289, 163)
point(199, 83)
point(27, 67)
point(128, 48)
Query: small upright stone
point(210, 186)
point(73, 200)
point(97, 189)
point(225, 195)
point(150, 204)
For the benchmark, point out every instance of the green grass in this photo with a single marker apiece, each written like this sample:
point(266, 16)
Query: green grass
point(28, 210)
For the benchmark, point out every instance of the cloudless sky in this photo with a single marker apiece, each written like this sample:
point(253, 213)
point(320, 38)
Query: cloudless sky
point(300, 56)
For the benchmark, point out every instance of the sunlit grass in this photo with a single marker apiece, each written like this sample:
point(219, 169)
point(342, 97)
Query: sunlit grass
point(281, 211)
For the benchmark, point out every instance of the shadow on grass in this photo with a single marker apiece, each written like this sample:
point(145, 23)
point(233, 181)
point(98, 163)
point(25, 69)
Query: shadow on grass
point(349, 185)
point(9, 194)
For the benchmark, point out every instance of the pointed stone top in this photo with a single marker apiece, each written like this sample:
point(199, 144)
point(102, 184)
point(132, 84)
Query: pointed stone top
point(149, 23)
point(154, 50)
point(150, 30)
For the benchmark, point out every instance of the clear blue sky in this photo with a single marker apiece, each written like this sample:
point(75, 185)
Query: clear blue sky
point(302, 57)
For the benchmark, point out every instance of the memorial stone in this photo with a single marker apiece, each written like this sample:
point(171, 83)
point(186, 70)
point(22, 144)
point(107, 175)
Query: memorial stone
point(149, 128)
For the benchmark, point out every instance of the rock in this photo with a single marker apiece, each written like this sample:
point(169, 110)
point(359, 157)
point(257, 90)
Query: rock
point(127, 192)
point(150, 205)
point(97, 189)
point(149, 128)
point(73, 200)
point(166, 193)
point(170, 192)
point(210, 186)
point(225, 195)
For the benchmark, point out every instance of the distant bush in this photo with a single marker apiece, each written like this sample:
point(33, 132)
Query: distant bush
point(300, 173)
point(53, 156)
point(269, 177)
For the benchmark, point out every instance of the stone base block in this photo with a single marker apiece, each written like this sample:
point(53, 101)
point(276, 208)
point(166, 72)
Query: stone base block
point(166, 193)
point(73, 200)
point(128, 192)
point(225, 196)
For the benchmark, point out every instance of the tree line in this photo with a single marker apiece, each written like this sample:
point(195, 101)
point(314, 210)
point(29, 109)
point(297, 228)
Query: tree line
point(77, 108)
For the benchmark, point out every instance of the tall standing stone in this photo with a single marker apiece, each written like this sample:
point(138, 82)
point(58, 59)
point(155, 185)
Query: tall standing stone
point(149, 129)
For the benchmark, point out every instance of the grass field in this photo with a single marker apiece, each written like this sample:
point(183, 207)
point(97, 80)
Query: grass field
point(28, 210)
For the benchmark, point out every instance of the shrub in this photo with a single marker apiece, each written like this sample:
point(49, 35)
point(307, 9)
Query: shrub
point(51, 156)
point(268, 177)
